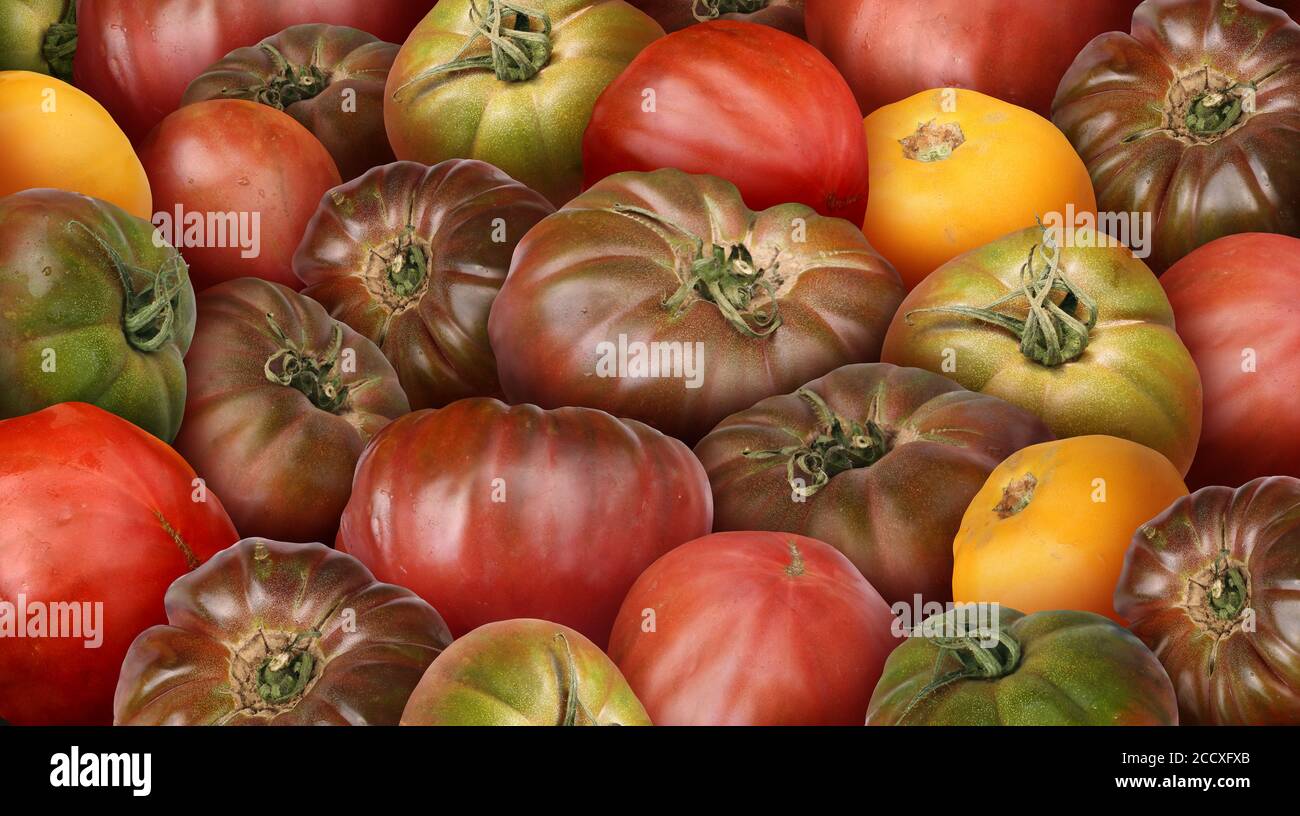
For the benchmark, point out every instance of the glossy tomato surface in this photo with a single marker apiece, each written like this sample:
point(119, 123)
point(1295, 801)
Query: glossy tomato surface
point(91, 309)
point(412, 257)
point(1210, 586)
point(282, 400)
point(662, 297)
point(751, 104)
point(1015, 50)
point(1048, 668)
point(492, 512)
point(237, 183)
point(1192, 117)
point(523, 672)
point(1234, 302)
point(878, 461)
point(753, 629)
point(271, 633)
point(99, 518)
point(329, 78)
point(137, 58)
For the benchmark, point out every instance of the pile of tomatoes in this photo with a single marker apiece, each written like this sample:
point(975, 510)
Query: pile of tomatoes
point(674, 361)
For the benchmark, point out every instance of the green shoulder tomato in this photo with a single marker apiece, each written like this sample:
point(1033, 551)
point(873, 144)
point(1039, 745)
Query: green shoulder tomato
point(38, 35)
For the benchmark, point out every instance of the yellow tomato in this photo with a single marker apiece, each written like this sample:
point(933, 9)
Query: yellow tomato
point(952, 170)
point(53, 135)
point(1050, 527)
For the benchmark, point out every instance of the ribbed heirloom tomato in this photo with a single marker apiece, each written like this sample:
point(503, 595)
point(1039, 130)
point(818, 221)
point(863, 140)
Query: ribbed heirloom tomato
point(878, 461)
point(99, 518)
point(756, 106)
point(270, 633)
point(1210, 586)
point(412, 257)
point(38, 35)
point(662, 297)
point(493, 512)
point(282, 400)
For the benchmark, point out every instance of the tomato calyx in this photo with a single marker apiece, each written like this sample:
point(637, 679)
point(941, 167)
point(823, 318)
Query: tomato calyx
point(705, 10)
point(1218, 597)
point(987, 653)
point(1203, 107)
point(149, 313)
point(516, 53)
point(1016, 496)
point(290, 84)
point(398, 274)
point(1051, 334)
point(318, 377)
point(272, 671)
point(931, 142)
point(841, 444)
point(60, 44)
point(725, 276)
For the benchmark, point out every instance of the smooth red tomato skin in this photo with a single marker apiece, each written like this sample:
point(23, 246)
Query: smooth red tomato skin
point(1235, 308)
point(233, 156)
point(491, 512)
point(743, 101)
point(1015, 50)
point(137, 58)
point(94, 510)
point(738, 629)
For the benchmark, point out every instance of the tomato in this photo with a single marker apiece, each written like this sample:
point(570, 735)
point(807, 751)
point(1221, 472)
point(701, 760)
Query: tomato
point(1066, 324)
point(1049, 528)
point(752, 629)
point(269, 633)
point(879, 462)
point(674, 15)
point(492, 512)
point(38, 35)
point(1049, 668)
point(99, 517)
point(518, 98)
point(54, 136)
point(236, 183)
point(91, 310)
point(1244, 335)
point(523, 672)
point(789, 130)
point(282, 401)
point(1210, 586)
point(412, 258)
point(1015, 50)
point(329, 78)
point(662, 297)
point(137, 58)
point(1194, 117)
point(932, 158)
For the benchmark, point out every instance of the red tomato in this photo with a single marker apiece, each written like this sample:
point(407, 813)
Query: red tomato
point(252, 171)
point(753, 629)
point(1235, 307)
point(136, 57)
point(94, 511)
point(754, 105)
point(491, 512)
point(1016, 50)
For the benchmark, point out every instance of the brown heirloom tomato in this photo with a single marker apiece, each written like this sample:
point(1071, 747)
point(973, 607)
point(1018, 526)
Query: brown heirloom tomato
point(493, 512)
point(510, 82)
point(1048, 668)
point(523, 672)
point(329, 78)
point(412, 257)
point(1068, 325)
point(269, 633)
point(753, 629)
point(675, 15)
point(1194, 118)
point(282, 400)
point(878, 461)
point(1210, 586)
point(661, 297)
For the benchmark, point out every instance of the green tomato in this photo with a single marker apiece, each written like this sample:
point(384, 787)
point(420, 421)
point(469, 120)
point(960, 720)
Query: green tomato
point(38, 35)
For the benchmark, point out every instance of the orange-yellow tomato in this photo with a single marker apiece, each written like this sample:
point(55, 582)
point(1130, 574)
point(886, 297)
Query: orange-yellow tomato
point(1050, 527)
point(953, 169)
point(53, 135)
